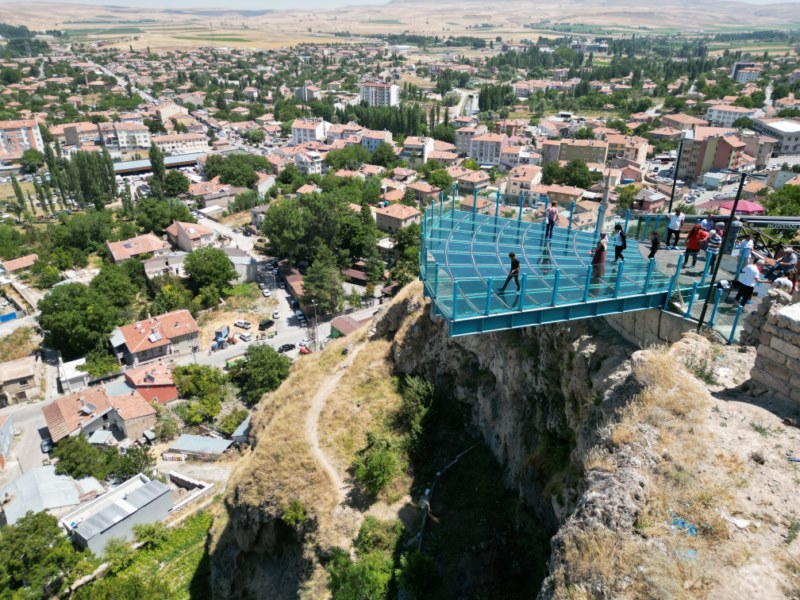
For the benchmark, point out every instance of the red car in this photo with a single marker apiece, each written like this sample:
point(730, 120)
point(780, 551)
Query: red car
point(304, 350)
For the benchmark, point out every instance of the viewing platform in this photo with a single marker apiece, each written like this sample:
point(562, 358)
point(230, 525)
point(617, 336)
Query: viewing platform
point(464, 262)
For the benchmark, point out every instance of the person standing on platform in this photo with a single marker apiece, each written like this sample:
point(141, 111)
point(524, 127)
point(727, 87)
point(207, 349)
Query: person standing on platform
point(513, 273)
point(713, 247)
point(620, 243)
point(748, 279)
point(551, 218)
point(655, 244)
point(694, 242)
point(598, 263)
point(674, 228)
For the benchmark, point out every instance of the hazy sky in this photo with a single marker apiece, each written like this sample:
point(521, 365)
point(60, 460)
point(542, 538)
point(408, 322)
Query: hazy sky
point(237, 4)
point(268, 4)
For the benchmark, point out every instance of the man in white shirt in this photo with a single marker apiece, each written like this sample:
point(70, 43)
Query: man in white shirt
point(747, 282)
point(747, 244)
point(674, 228)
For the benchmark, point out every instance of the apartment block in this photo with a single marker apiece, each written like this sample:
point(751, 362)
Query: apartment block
point(18, 136)
point(487, 148)
point(372, 139)
point(723, 115)
point(309, 130)
point(464, 137)
point(378, 93)
point(589, 151)
point(786, 132)
point(181, 143)
point(629, 147)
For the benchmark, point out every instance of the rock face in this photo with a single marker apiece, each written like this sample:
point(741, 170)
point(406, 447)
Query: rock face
point(259, 555)
point(538, 397)
point(526, 389)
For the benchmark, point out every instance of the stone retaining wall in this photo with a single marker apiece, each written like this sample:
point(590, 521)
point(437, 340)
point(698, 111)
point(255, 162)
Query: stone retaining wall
point(777, 366)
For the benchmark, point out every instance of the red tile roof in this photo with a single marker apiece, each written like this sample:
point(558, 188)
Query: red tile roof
point(64, 415)
point(158, 331)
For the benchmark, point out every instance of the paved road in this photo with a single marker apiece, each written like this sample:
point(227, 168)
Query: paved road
point(31, 427)
point(240, 241)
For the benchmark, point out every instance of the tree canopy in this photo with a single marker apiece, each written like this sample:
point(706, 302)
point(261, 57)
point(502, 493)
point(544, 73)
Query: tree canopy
point(155, 214)
point(323, 282)
point(209, 267)
point(261, 371)
point(76, 319)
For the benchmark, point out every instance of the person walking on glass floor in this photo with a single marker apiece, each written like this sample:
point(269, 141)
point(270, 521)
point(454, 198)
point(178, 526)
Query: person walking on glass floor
point(551, 218)
point(513, 273)
point(674, 228)
point(620, 243)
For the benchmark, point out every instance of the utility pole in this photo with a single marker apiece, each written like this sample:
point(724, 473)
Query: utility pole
point(675, 175)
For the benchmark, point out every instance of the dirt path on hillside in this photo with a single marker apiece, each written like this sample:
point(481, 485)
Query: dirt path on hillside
point(312, 425)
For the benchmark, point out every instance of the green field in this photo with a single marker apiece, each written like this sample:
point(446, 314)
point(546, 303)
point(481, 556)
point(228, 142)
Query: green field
point(103, 31)
point(211, 38)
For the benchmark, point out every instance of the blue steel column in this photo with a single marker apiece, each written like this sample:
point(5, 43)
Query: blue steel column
point(441, 205)
point(497, 203)
point(705, 271)
point(571, 212)
point(627, 219)
point(523, 290)
point(619, 279)
point(716, 306)
point(455, 300)
point(735, 323)
point(556, 278)
point(599, 219)
point(586, 284)
point(647, 277)
point(688, 312)
point(474, 200)
point(521, 202)
point(488, 296)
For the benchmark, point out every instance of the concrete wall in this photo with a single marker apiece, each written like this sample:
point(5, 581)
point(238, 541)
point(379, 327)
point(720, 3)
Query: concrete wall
point(650, 327)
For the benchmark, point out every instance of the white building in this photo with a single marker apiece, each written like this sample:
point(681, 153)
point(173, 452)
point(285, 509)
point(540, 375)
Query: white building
point(18, 136)
point(487, 148)
point(372, 139)
point(723, 115)
point(309, 130)
point(181, 143)
point(786, 131)
point(132, 136)
point(310, 163)
point(377, 93)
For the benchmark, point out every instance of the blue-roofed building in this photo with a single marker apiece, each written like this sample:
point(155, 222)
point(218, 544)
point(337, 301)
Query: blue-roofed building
point(138, 501)
point(242, 431)
point(199, 446)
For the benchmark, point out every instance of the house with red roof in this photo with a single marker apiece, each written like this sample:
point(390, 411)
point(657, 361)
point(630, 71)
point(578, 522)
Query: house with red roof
point(136, 246)
point(154, 382)
point(189, 236)
point(99, 416)
point(169, 334)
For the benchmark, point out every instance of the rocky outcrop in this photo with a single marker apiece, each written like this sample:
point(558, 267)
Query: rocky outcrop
point(526, 390)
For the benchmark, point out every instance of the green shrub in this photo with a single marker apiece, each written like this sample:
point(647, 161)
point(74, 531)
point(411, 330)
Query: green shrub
point(417, 573)
point(378, 535)
point(294, 514)
point(151, 535)
point(377, 465)
point(366, 579)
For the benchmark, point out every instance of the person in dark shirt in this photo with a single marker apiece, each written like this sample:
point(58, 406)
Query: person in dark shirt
point(513, 273)
point(655, 244)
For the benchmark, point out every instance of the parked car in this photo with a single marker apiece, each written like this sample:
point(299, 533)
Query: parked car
point(304, 350)
point(286, 348)
point(243, 324)
point(265, 324)
point(266, 293)
point(263, 285)
point(245, 337)
point(46, 445)
point(304, 342)
point(276, 314)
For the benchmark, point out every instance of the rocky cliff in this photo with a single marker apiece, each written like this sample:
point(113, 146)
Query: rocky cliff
point(596, 437)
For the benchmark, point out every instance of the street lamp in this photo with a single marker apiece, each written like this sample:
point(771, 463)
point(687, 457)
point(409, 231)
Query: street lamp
point(316, 334)
point(742, 178)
